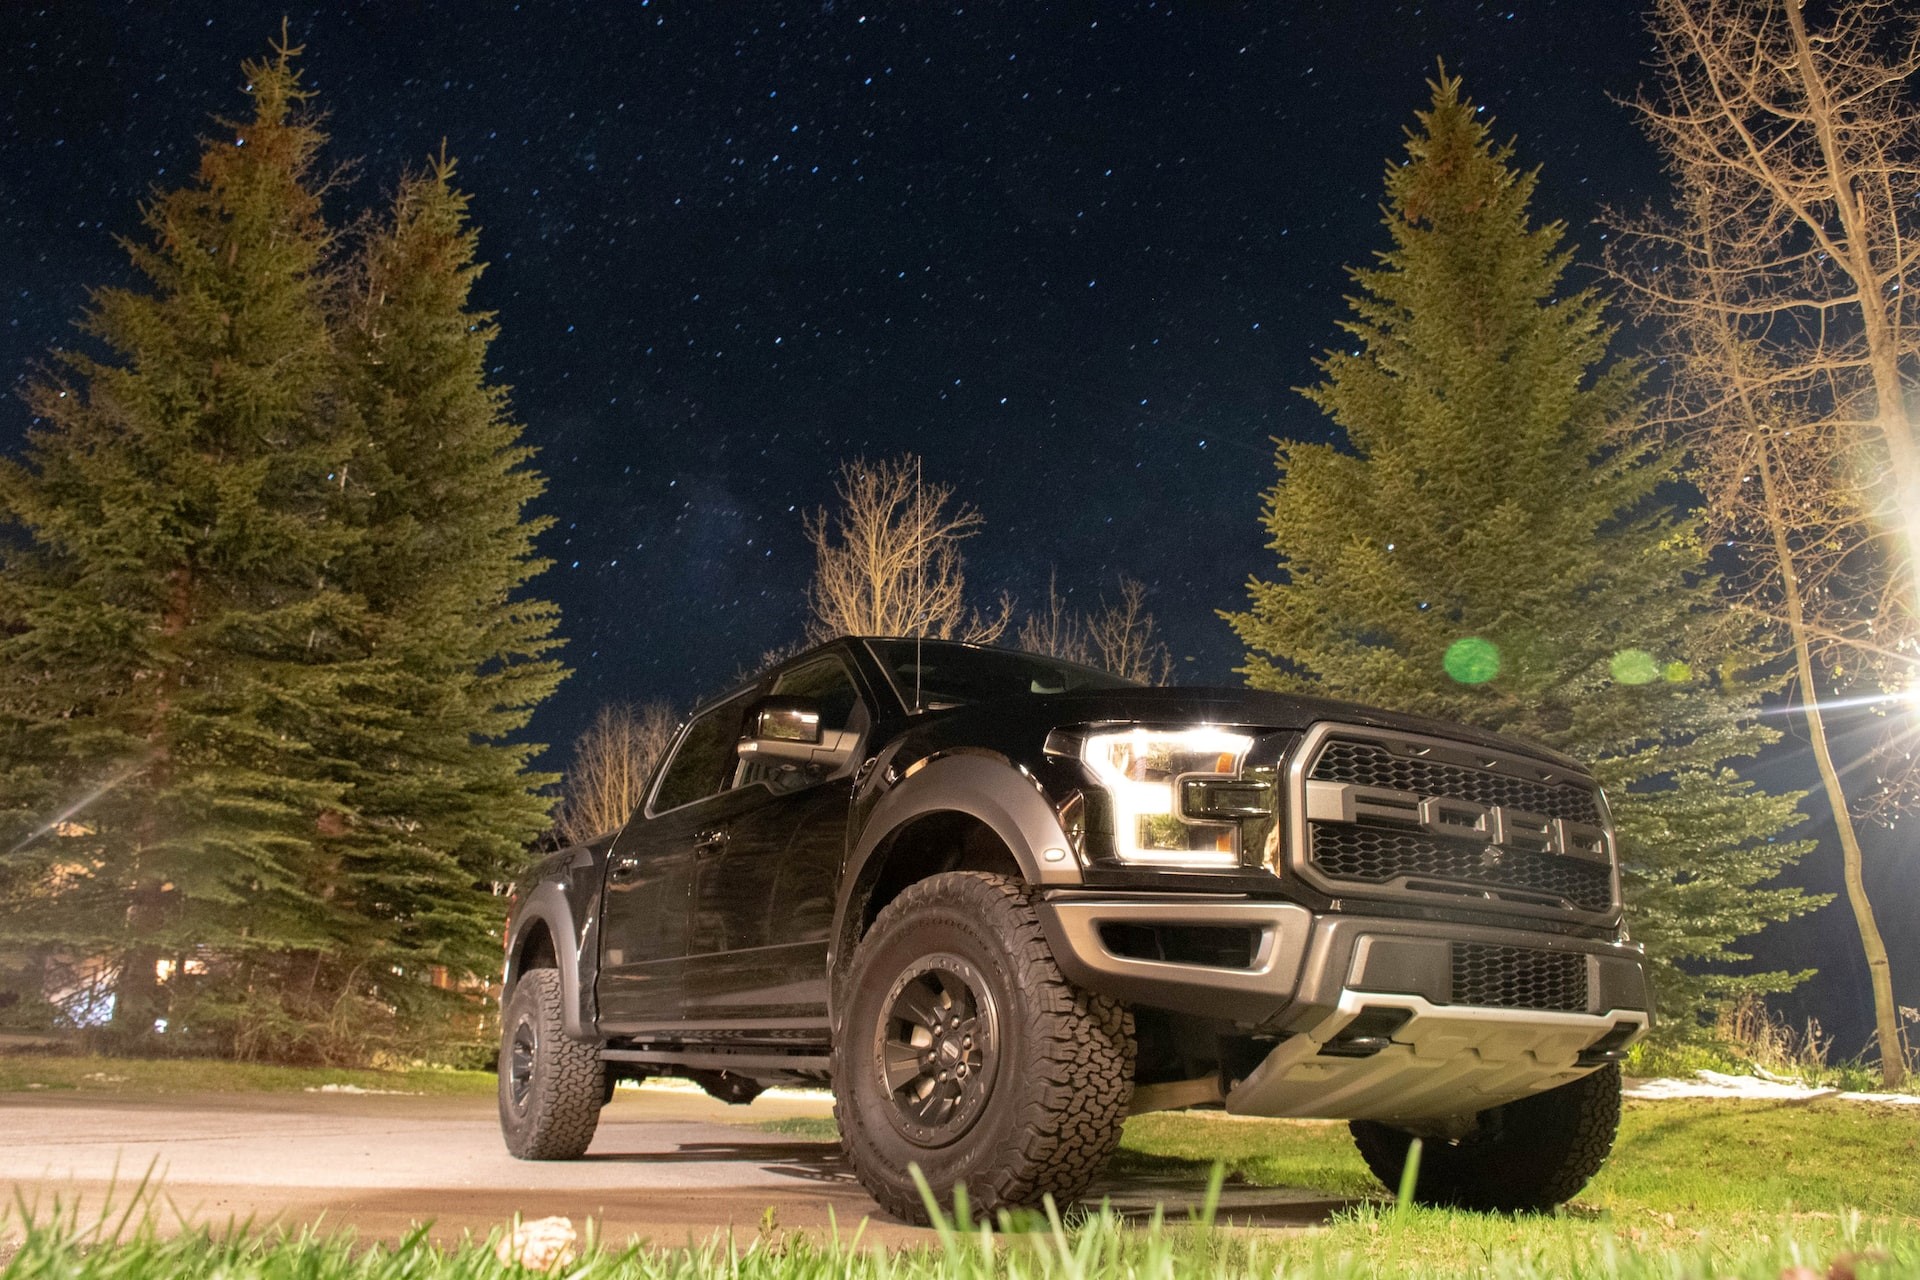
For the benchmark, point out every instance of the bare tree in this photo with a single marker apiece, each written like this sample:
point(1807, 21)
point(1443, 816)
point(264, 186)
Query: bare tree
point(1059, 632)
point(887, 562)
point(612, 761)
point(1782, 277)
point(1125, 637)
point(1121, 638)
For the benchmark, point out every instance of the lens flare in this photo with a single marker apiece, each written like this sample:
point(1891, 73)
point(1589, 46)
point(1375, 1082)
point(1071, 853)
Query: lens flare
point(1634, 666)
point(79, 806)
point(1472, 660)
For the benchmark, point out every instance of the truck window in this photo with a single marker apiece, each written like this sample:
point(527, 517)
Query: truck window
point(702, 765)
point(828, 684)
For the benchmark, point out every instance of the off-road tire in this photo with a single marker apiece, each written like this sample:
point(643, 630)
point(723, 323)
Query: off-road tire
point(550, 1102)
point(1526, 1156)
point(1051, 1110)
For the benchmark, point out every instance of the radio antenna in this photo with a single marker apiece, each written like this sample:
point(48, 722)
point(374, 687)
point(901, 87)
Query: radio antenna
point(920, 584)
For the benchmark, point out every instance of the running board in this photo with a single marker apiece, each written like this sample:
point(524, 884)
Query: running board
point(723, 1060)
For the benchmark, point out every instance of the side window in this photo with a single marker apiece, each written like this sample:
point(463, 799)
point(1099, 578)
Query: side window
point(703, 764)
point(828, 684)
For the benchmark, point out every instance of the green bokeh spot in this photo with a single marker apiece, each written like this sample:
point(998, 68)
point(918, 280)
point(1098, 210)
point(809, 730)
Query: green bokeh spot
point(1471, 660)
point(1635, 666)
point(1677, 673)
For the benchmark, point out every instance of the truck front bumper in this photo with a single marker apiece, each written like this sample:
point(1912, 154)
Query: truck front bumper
point(1373, 1017)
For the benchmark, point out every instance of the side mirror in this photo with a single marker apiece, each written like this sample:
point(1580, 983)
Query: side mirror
point(786, 720)
point(789, 730)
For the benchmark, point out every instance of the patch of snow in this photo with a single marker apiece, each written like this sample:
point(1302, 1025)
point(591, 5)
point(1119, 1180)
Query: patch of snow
point(354, 1088)
point(1771, 1088)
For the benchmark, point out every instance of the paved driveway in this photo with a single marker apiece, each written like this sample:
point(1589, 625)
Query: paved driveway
point(665, 1165)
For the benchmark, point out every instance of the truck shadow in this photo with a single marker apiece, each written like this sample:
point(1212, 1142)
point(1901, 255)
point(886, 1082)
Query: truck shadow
point(802, 1161)
point(1139, 1185)
point(1135, 1191)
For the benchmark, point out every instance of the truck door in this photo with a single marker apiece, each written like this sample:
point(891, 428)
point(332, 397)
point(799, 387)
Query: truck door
point(763, 897)
point(644, 912)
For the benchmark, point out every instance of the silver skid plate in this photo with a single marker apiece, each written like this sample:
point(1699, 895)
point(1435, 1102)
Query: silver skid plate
point(1446, 1060)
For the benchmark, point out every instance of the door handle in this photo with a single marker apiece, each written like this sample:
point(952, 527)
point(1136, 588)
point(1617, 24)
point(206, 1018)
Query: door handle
point(624, 868)
point(710, 841)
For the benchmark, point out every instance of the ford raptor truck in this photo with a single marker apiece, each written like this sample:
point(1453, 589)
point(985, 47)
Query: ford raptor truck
point(1000, 902)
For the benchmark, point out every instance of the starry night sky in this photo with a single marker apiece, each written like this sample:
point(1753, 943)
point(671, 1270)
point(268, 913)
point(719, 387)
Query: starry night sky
point(1075, 255)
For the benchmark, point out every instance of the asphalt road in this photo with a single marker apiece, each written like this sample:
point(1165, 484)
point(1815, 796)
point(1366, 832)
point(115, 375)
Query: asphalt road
point(667, 1166)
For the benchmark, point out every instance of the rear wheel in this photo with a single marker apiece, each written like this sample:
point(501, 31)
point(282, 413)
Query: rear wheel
point(966, 1052)
point(1530, 1154)
point(551, 1086)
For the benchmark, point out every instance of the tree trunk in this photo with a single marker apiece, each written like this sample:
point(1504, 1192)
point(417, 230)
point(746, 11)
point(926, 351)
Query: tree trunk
point(1893, 1065)
point(138, 1000)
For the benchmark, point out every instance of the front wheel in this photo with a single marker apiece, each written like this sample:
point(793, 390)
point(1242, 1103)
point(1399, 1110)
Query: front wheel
point(551, 1086)
point(1528, 1155)
point(965, 1051)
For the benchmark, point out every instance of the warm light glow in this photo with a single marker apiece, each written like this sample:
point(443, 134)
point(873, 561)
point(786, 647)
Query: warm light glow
point(1139, 769)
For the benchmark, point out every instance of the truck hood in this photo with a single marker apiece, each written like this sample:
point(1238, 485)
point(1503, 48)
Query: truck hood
point(1230, 706)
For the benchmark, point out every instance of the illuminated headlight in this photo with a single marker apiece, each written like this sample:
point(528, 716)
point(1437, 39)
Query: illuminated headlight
point(1173, 793)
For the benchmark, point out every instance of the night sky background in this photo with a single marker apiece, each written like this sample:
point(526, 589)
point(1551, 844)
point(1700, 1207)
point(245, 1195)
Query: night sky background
point(1076, 256)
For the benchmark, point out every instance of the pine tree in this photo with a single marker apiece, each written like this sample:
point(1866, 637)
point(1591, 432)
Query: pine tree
point(1496, 544)
point(442, 802)
point(261, 610)
point(168, 625)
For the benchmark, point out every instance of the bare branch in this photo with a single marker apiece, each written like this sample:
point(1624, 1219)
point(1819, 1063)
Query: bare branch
point(1124, 637)
point(1780, 280)
point(612, 761)
point(1059, 632)
point(887, 560)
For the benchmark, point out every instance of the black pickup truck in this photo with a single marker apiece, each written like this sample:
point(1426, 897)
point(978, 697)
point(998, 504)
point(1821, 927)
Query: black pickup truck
point(999, 902)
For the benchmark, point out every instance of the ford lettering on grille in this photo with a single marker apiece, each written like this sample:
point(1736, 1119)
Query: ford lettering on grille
point(1382, 812)
point(1500, 826)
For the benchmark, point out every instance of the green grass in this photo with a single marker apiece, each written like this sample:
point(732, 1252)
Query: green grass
point(1690, 1181)
point(1373, 1241)
point(32, 1072)
point(1693, 1156)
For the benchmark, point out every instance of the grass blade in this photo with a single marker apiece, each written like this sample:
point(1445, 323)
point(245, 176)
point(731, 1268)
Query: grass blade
point(1409, 1179)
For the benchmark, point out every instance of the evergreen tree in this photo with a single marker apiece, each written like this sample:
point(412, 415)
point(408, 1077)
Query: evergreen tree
point(260, 614)
point(168, 625)
point(1495, 544)
point(441, 802)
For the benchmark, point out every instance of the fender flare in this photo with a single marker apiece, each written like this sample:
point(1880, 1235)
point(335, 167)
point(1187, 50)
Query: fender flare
point(981, 784)
point(548, 904)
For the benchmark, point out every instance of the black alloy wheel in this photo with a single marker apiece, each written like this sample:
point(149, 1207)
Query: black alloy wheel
point(936, 1049)
point(962, 1051)
point(523, 1043)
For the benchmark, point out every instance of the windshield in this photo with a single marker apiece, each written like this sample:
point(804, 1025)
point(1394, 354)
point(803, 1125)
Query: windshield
point(952, 675)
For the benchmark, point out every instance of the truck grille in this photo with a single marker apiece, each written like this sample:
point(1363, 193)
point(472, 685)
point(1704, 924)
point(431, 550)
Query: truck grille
point(1387, 813)
point(1375, 855)
point(1371, 765)
point(1519, 978)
